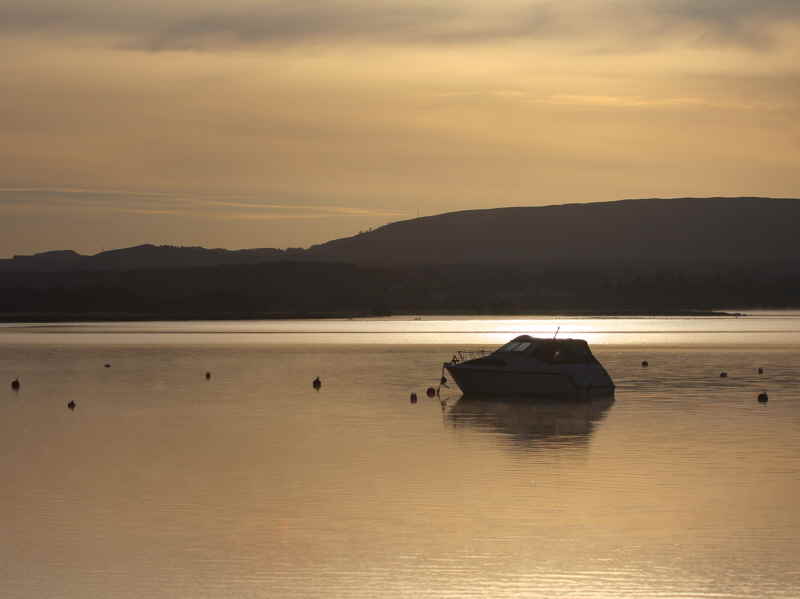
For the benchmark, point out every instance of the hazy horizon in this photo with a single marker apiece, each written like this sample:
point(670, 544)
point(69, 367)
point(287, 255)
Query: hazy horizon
point(284, 124)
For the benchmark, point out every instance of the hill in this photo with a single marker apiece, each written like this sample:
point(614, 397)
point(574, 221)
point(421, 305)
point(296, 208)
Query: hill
point(146, 256)
point(665, 232)
point(677, 232)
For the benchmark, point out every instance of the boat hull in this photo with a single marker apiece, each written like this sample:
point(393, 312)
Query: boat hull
point(491, 381)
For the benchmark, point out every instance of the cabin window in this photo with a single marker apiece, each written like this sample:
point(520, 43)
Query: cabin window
point(515, 346)
point(508, 346)
point(563, 353)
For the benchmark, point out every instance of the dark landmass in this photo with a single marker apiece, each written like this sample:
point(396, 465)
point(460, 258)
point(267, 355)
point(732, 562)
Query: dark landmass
point(677, 256)
point(304, 289)
point(141, 257)
point(674, 233)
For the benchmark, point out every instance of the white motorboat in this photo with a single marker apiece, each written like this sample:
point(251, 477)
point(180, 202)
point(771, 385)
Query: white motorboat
point(531, 366)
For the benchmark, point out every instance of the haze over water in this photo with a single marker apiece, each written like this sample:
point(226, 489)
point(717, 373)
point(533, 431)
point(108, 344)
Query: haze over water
point(163, 484)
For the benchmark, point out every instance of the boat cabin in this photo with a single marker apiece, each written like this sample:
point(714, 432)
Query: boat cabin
point(550, 351)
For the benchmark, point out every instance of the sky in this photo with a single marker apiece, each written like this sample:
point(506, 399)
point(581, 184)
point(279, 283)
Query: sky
point(284, 123)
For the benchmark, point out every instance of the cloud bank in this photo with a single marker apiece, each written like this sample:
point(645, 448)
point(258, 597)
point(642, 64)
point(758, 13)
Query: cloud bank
point(203, 25)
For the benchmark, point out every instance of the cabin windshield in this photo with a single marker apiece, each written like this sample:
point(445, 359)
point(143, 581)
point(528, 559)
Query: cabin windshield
point(515, 346)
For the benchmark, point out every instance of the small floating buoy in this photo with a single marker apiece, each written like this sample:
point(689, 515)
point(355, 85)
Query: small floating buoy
point(760, 371)
point(430, 391)
point(645, 363)
point(317, 383)
point(723, 375)
point(413, 398)
point(108, 365)
point(15, 384)
point(763, 397)
point(71, 405)
point(208, 375)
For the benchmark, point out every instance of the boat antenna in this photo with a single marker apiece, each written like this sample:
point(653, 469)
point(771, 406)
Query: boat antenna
point(556, 333)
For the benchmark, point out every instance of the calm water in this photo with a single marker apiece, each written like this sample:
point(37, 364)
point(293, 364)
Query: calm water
point(162, 484)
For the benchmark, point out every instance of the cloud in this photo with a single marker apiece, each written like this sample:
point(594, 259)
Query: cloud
point(747, 23)
point(656, 102)
point(209, 207)
point(204, 25)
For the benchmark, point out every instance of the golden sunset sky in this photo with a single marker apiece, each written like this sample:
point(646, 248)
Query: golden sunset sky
point(286, 123)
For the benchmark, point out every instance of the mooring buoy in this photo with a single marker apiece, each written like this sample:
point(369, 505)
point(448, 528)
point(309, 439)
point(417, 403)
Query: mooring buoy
point(723, 375)
point(71, 405)
point(317, 383)
point(413, 398)
point(645, 363)
point(763, 397)
point(15, 384)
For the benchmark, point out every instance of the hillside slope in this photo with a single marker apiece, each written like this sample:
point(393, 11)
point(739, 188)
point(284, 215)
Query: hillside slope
point(678, 231)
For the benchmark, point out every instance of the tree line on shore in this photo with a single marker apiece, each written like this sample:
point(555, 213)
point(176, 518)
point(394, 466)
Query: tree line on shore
point(299, 289)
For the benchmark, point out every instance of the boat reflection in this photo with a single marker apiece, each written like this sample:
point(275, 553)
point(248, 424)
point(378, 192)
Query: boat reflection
point(529, 421)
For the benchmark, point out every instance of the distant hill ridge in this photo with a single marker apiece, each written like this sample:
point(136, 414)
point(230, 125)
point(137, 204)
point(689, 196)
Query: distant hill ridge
point(145, 256)
point(659, 231)
point(656, 230)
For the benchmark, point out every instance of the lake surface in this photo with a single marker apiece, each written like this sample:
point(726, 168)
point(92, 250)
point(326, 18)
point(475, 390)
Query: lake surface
point(162, 484)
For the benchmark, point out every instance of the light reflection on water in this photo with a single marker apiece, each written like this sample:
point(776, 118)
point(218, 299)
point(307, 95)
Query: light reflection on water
point(770, 328)
point(252, 484)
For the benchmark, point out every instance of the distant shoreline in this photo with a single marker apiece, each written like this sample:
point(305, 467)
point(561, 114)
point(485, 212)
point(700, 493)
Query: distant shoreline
point(42, 317)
